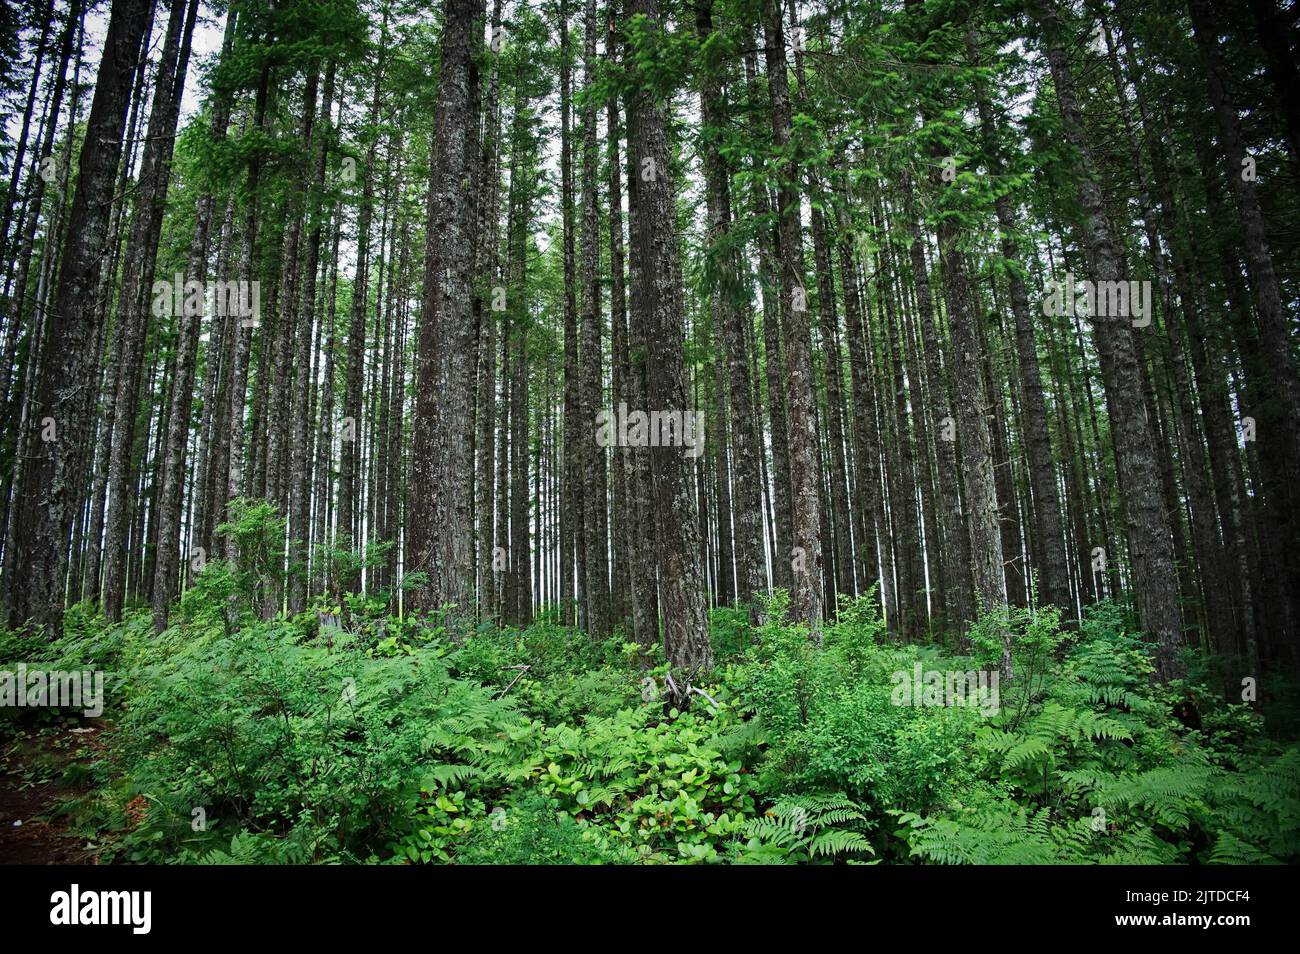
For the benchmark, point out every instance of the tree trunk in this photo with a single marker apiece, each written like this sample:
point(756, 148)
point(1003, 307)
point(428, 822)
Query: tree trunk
point(440, 535)
point(682, 592)
point(1150, 546)
point(806, 544)
point(591, 389)
point(48, 485)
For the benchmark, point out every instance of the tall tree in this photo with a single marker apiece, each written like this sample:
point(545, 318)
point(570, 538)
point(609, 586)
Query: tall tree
point(731, 310)
point(681, 577)
point(595, 479)
point(440, 534)
point(133, 304)
point(805, 554)
point(1147, 528)
point(49, 482)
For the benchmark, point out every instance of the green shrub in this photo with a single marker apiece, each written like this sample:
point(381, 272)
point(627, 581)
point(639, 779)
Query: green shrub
point(1093, 766)
point(237, 739)
point(325, 746)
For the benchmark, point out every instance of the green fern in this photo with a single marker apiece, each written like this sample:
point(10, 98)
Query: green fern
point(807, 827)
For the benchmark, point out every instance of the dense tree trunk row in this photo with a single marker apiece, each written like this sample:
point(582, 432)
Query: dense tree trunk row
point(545, 328)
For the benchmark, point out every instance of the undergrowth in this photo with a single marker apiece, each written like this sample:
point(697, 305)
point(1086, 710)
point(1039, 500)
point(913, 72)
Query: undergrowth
point(386, 740)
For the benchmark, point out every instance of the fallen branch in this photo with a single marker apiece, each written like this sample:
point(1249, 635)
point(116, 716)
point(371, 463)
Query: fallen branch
point(522, 669)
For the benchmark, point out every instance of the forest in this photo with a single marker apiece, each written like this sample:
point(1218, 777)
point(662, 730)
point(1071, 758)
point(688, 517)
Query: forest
point(520, 432)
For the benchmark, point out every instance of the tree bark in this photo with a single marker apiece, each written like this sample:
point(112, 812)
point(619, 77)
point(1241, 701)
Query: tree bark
point(1147, 525)
point(440, 535)
point(49, 484)
point(682, 591)
point(806, 543)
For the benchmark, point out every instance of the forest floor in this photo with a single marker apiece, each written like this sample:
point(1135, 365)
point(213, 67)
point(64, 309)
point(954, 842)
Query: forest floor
point(35, 784)
point(542, 746)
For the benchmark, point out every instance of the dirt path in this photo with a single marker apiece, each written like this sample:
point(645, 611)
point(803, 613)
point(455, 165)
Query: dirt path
point(32, 786)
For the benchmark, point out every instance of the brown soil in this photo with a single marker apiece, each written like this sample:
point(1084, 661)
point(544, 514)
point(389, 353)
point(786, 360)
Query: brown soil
point(29, 832)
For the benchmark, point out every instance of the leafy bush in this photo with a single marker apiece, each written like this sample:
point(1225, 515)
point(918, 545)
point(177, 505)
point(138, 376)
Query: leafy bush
point(1092, 766)
point(236, 739)
point(327, 747)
